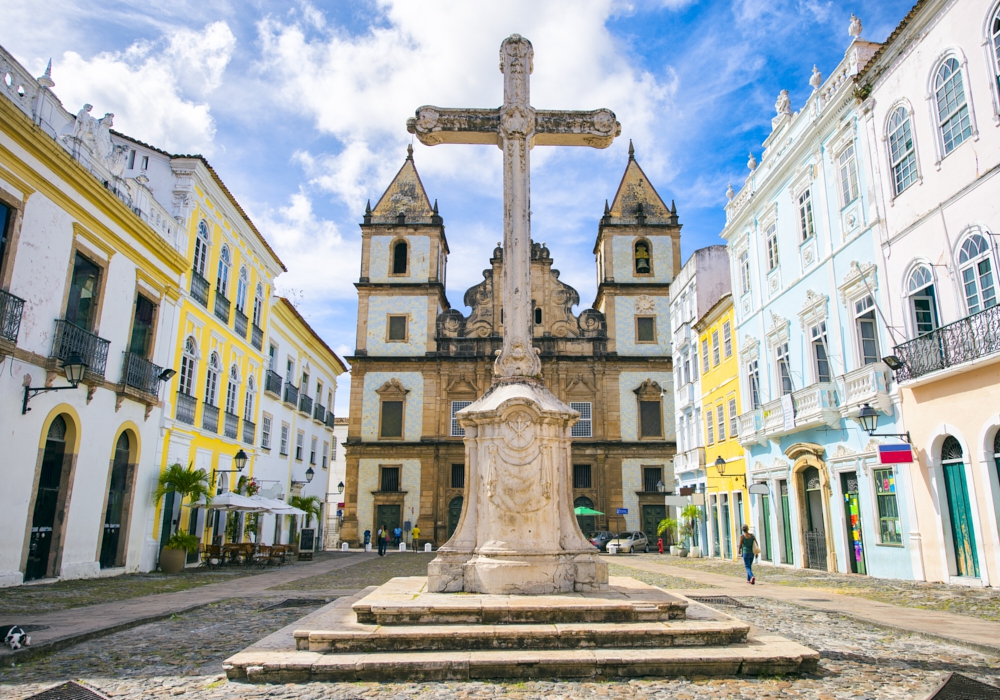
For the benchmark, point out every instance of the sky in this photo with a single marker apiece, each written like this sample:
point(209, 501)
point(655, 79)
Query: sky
point(301, 108)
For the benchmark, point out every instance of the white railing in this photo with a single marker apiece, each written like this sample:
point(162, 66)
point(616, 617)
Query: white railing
point(866, 385)
point(773, 417)
point(816, 405)
point(17, 84)
point(751, 427)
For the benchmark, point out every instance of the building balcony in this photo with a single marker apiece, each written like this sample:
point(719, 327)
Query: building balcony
point(210, 417)
point(249, 431)
point(689, 460)
point(306, 404)
point(812, 407)
point(751, 427)
point(70, 338)
point(11, 308)
point(221, 307)
point(867, 385)
point(329, 420)
point(186, 407)
point(685, 396)
point(975, 337)
point(319, 412)
point(272, 383)
point(199, 288)
point(291, 394)
point(256, 336)
point(140, 375)
point(231, 425)
point(240, 323)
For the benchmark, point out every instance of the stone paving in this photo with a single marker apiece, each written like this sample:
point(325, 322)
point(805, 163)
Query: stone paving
point(370, 572)
point(983, 603)
point(655, 579)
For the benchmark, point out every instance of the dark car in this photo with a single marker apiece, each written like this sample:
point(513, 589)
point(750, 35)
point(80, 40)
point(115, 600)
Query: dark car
point(601, 539)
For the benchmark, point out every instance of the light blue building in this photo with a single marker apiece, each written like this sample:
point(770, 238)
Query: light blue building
point(808, 284)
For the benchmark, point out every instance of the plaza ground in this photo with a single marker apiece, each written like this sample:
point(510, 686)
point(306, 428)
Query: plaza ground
point(181, 654)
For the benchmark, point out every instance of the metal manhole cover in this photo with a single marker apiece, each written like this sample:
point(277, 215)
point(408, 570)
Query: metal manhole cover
point(719, 600)
point(298, 603)
point(961, 687)
point(68, 691)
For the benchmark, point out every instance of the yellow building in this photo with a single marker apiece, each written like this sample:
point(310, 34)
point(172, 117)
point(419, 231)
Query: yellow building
point(727, 500)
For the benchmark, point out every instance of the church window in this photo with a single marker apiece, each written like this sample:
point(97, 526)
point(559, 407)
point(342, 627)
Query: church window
point(727, 338)
point(952, 107)
point(715, 348)
point(392, 419)
point(864, 320)
point(581, 476)
point(902, 153)
point(458, 476)
point(645, 329)
point(390, 479)
point(848, 175)
point(399, 258)
point(710, 427)
point(977, 273)
point(584, 426)
point(241, 290)
point(643, 264)
point(397, 329)
point(456, 429)
point(784, 371)
point(745, 272)
point(222, 281)
point(652, 477)
point(771, 238)
point(806, 227)
point(720, 421)
point(538, 317)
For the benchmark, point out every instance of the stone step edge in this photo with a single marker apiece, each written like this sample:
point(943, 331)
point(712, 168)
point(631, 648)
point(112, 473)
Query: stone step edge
point(760, 655)
point(500, 615)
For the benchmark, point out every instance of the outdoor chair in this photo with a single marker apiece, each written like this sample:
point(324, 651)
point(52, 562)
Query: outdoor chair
point(261, 556)
point(211, 556)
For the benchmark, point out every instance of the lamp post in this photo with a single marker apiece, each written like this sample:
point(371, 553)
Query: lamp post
point(240, 460)
point(75, 367)
point(868, 417)
point(340, 488)
point(720, 465)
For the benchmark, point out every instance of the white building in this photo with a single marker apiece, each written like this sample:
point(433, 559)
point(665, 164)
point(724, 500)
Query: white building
point(336, 484)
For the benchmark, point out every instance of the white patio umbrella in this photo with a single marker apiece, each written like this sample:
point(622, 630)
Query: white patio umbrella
point(273, 505)
point(230, 500)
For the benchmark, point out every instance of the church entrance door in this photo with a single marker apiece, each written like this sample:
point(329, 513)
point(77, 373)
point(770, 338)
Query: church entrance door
point(454, 514)
point(388, 515)
point(587, 523)
point(651, 517)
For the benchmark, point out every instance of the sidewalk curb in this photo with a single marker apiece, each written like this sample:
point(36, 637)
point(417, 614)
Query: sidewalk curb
point(989, 649)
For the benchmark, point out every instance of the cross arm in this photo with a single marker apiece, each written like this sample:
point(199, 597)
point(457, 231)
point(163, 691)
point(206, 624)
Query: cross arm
point(596, 129)
point(434, 125)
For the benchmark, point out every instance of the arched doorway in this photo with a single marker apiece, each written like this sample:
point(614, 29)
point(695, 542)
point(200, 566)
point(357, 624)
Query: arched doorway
point(454, 514)
point(812, 494)
point(50, 501)
point(959, 512)
point(113, 537)
point(815, 521)
point(587, 523)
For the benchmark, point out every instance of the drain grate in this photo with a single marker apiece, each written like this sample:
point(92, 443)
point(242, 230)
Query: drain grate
point(719, 600)
point(961, 687)
point(68, 691)
point(298, 603)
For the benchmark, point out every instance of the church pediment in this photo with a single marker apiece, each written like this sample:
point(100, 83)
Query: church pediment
point(461, 386)
point(636, 200)
point(580, 386)
point(405, 196)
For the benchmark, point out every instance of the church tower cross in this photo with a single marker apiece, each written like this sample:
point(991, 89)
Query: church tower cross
point(515, 127)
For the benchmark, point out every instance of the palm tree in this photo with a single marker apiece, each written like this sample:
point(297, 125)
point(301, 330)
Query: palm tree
point(309, 504)
point(187, 483)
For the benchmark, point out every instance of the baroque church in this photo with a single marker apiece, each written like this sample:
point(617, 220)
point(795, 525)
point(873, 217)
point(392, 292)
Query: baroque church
point(418, 361)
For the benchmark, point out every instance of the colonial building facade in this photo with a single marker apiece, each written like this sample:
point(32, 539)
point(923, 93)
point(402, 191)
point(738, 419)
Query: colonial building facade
point(418, 361)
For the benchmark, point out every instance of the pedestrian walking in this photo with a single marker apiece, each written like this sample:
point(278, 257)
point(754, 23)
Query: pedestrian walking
point(381, 537)
point(749, 549)
point(416, 536)
point(397, 535)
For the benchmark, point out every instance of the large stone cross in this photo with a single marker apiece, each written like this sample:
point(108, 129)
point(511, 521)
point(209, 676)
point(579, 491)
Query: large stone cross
point(515, 127)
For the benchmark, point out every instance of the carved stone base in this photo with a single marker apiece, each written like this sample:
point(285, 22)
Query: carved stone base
point(518, 533)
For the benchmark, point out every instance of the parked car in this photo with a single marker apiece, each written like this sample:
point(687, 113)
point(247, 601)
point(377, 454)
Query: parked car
point(600, 539)
point(630, 542)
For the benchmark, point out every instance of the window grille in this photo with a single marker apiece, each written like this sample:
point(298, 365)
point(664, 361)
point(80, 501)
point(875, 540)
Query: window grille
point(390, 479)
point(392, 419)
point(584, 426)
point(645, 329)
point(651, 476)
point(397, 328)
point(456, 429)
point(458, 476)
point(581, 476)
point(650, 421)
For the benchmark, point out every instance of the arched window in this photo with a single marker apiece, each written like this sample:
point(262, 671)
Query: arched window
point(538, 316)
point(222, 281)
point(248, 401)
point(201, 248)
point(923, 304)
point(977, 273)
point(188, 364)
point(643, 257)
point(241, 290)
point(212, 379)
point(258, 305)
point(112, 542)
point(954, 120)
point(996, 452)
point(232, 390)
point(902, 153)
point(399, 257)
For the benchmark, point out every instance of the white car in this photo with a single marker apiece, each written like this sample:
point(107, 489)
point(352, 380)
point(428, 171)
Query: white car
point(630, 542)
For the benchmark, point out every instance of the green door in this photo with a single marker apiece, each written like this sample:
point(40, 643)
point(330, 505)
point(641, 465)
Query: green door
point(966, 562)
point(852, 515)
point(651, 517)
point(454, 514)
point(765, 530)
point(388, 515)
point(724, 527)
point(786, 521)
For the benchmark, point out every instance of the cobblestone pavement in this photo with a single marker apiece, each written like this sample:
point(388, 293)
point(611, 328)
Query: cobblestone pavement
point(373, 572)
point(983, 603)
point(655, 579)
point(182, 657)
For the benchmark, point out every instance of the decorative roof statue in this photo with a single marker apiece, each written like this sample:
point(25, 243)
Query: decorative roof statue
point(729, 192)
point(855, 27)
point(783, 105)
point(816, 79)
point(45, 80)
point(752, 162)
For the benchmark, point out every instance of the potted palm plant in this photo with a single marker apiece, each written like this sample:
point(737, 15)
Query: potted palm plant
point(187, 483)
point(689, 517)
point(668, 528)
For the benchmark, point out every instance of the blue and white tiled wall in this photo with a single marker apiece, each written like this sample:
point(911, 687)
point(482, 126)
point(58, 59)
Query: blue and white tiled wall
point(379, 309)
point(413, 407)
point(625, 313)
point(622, 248)
point(628, 382)
point(380, 256)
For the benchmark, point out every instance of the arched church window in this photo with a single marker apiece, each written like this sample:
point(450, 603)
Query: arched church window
point(399, 256)
point(642, 258)
point(538, 317)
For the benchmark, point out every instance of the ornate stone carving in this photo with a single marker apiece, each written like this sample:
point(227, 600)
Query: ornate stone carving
point(751, 164)
point(855, 27)
point(645, 304)
point(816, 79)
point(783, 105)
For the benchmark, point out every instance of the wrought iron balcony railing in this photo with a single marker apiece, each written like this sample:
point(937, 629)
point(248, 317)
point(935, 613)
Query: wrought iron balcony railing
point(210, 417)
point(232, 425)
point(249, 431)
point(70, 338)
point(329, 419)
point(141, 374)
point(971, 338)
point(240, 323)
point(221, 307)
point(305, 404)
point(319, 412)
point(186, 406)
point(291, 394)
point(199, 288)
point(10, 316)
point(256, 336)
point(272, 383)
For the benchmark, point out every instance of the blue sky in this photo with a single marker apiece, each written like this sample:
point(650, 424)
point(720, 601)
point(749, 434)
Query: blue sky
point(301, 108)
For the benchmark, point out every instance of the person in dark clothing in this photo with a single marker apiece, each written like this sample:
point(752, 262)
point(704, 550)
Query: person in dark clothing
point(747, 545)
point(381, 535)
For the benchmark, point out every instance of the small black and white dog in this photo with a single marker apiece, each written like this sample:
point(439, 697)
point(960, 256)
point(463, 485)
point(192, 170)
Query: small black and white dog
point(17, 638)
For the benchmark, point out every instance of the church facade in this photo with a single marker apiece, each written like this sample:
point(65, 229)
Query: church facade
point(418, 361)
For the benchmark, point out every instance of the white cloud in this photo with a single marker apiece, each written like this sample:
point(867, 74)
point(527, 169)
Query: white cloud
point(150, 85)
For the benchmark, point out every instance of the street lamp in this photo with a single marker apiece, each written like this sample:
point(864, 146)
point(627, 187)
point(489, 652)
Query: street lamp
point(720, 465)
point(340, 488)
point(74, 366)
point(660, 486)
point(310, 473)
point(868, 417)
point(240, 460)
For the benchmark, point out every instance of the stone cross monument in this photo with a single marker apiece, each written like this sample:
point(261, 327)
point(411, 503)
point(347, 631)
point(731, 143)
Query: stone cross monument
point(518, 533)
